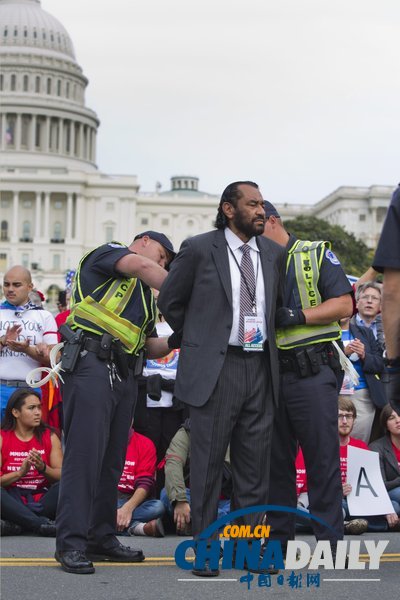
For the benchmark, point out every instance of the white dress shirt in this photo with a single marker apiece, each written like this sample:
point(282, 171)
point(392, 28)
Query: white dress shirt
point(234, 243)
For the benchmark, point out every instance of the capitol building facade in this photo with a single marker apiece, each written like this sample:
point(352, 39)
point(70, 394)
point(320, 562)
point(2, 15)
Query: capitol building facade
point(55, 204)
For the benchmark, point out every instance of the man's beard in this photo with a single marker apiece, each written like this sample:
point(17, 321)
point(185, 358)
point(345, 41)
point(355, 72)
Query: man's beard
point(249, 229)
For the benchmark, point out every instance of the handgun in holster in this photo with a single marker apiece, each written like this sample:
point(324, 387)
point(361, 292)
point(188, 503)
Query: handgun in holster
point(120, 359)
point(301, 362)
point(72, 346)
point(313, 359)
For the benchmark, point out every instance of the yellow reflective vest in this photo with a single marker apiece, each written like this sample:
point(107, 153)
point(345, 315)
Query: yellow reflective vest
point(306, 258)
point(118, 306)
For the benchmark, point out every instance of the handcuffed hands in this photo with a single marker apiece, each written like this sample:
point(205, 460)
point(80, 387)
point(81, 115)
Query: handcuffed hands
point(174, 341)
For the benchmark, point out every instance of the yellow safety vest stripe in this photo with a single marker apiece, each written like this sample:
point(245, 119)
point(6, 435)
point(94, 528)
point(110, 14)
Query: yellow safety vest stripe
point(307, 265)
point(105, 314)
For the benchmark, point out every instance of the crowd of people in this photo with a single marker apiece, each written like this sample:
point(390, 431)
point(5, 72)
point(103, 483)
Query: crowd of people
point(227, 392)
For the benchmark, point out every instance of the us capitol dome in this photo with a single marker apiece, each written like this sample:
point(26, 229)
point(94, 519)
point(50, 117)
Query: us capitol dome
point(42, 89)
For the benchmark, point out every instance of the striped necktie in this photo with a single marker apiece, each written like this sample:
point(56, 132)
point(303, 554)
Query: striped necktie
point(247, 289)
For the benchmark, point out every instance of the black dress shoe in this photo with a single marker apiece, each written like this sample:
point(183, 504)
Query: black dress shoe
point(206, 571)
point(10, 528)
point(74, 561)
point(270, 570)
point(115, 554)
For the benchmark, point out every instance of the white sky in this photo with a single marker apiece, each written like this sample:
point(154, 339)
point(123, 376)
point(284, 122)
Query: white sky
point(301, 96)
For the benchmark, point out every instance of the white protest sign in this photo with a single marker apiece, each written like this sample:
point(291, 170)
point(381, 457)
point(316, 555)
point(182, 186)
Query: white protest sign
point(368, 495)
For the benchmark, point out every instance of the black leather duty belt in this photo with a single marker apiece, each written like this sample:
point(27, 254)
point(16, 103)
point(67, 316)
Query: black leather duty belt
point(92, 344)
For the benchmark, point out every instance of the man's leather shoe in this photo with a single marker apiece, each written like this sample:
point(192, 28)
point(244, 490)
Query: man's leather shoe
point(74, 561)
point(206, 572)
point(9, 528)
point(118, 553)
point(270, 570)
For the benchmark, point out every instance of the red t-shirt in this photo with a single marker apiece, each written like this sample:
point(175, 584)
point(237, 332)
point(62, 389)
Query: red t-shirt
point(396, 453)
point(343, 455)
point(140, 461)
point(13, 453)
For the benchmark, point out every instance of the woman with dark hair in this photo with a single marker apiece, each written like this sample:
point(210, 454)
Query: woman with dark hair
point(388, 448)
point(31, 459)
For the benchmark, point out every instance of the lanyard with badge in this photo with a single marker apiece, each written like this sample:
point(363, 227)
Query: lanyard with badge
point(253, 336)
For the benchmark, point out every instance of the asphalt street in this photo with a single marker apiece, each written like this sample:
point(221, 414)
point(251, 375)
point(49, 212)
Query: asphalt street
point(29, 572)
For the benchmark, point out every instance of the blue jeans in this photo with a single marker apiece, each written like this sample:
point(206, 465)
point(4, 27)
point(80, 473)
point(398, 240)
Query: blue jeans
point(224, 506)
point(375, 522)
point(145, 512)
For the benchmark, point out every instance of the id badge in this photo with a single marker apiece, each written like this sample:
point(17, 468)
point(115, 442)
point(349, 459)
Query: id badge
point(253, 334)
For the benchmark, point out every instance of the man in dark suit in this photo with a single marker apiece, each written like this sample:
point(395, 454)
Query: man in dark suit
point(220, 298)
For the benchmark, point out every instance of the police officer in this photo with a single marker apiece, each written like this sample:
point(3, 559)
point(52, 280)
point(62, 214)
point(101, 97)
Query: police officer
point(317, 295)
point(387, 260)
point(112, 319)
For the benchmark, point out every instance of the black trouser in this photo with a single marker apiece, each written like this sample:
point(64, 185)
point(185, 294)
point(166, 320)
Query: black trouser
point(13, 509)
point(96, 426)
point(308, 414)
point(240, 413)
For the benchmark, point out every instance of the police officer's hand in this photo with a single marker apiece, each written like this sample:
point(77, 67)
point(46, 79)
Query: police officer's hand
point(393, 389)
point(285, 317)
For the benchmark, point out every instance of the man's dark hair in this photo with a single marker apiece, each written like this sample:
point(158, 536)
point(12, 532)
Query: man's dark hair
point(230, 194)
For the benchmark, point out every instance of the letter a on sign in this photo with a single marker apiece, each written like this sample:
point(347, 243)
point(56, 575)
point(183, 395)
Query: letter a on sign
point(362, 475)
point(368, 495)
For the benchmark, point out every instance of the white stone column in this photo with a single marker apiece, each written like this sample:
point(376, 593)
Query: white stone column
point(94, 137)
point(72, 138)
point(38, 216)
point(46, 135)
point(68, 234)
point(60, 148)
point(15, 223)
point(81, 144)
point(46, 232)
point(32, 134)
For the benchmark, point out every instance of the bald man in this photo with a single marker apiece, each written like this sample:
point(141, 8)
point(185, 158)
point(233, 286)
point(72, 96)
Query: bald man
point(26, 332)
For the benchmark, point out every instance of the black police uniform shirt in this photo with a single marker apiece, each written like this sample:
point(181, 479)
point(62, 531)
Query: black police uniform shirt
point(332, 281)
point(100, 266)
point(388, 251)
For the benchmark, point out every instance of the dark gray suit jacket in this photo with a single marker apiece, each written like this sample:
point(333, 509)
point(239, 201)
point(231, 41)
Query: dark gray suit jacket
point(388, 462)
point(196, 300)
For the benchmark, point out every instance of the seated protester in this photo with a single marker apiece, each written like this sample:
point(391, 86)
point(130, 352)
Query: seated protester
point(27, 333)
point(31, 460)
point(176, 494)
point(138, 512)
point(359, 524)
point(364, 351)
point(346, 419)
point(388, 448)
point(158, 415)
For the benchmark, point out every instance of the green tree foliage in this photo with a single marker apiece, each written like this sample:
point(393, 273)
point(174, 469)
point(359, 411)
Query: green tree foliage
point(352, 253)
